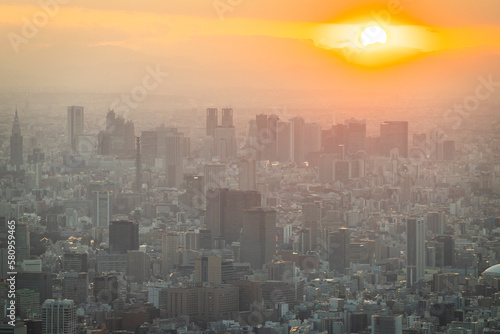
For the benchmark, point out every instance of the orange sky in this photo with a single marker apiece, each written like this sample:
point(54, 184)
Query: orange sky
point(280, 44)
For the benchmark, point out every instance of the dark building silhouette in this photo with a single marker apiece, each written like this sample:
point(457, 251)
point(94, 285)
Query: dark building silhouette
point(212, 121)
point(394, 135)
point(38, 281)
point(16, 144)
point(258, 245)
point(415, 250)
point(339, 253)
point(123, 236)
point(224, 211)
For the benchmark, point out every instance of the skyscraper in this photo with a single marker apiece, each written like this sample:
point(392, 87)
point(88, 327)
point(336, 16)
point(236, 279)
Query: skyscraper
point(22, 243)
point(16, 144)
point(59, 317)
point(311, 217)
point(101, 208)
point(259, 244)
point(415, 250)
point(224, 211)
point(138, 266)
point(227, 117)
point(298, 147)
point(212, 122)
point(356, 135)
point(339, 252)
point(247, 174)
point(174, 146)
point(169, 252)
point(208, 269)
point(75, 125)
point(394, 135)
point(123, 236)
point(215, 176)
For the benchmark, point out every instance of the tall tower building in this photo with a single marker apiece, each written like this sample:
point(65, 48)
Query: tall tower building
point(247, 174)
point(298, 147)
point(174, 144)
point(284, 141)
point(415, 250)
point(215, 176)
point(75, 125)
point(101, 208)
point(22, 243)
point(339, 250)
point(312, 138)
point(225, 142)
point(227, 117)
point(169, 253)
point(16, 144)
point(212, 121)
point(123, 236)
point(138, 266)
point(224, 211)
point(394, 135)
point(259, 244)
point(311, 217)
point(59, 317)
point(356, 135)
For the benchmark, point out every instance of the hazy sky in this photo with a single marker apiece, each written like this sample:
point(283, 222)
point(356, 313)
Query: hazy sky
point(212, 45)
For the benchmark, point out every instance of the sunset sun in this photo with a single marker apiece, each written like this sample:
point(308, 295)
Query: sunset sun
point(373, 35)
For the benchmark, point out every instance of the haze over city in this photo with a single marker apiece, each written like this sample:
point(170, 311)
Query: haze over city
point(236, 166)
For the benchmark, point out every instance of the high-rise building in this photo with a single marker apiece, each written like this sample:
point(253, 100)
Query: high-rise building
point(75, 125)
point(415, 250)
point(436, 144)
point(387, 324)
point(22, 243)
point(75, 287)
point(59, 317)
point(224, 211)
point(212, 121)
point(259, 244)
point(215, 176)
point(394, 134)
point(28, 303)
point(208, 269)
point(38, 281)
point(247, 174)
point(123, 236)
point(356, 135)
point(339, 252)
point(77, 262)
point(267, 128)
point(448, 250)
point(227, 117)
point(311, 218)
point(435, 222)
point(106, 288)
point(312, 138)
point(284, 141)
point(169, 252)
point(225, 142)
point(138, 266)
point(101, 208)
point(16, 144)
point(298, 140)
point(174, 146)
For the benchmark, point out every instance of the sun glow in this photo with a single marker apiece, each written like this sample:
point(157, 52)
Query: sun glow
point(372, 35)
